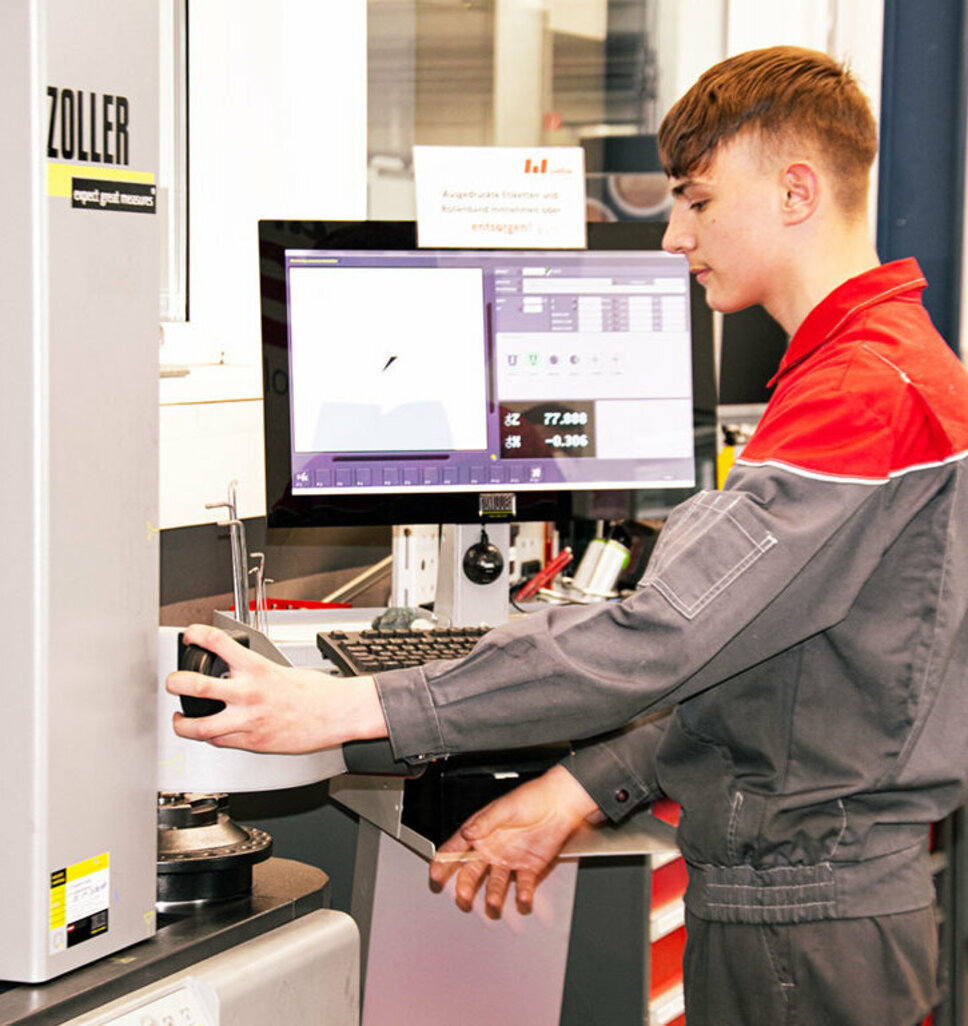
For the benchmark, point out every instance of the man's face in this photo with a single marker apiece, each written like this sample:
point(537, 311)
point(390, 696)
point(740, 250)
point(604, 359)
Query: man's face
point(725, 221)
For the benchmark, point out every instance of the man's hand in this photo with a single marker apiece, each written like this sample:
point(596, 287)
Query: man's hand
point(272, 708)
point(521, 833)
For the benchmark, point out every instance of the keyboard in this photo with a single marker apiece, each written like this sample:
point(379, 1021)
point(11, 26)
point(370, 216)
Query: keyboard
point(360, 653)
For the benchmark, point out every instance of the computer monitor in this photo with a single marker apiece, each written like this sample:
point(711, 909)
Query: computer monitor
point(407, 385)
point(752, 346)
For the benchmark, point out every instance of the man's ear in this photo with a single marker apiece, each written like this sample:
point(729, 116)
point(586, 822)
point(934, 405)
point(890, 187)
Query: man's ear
point(800, 186)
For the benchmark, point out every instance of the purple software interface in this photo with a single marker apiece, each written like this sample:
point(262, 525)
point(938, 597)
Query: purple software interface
point(489, 370)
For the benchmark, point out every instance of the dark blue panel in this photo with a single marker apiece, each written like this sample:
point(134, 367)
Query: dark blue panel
point(921, 186)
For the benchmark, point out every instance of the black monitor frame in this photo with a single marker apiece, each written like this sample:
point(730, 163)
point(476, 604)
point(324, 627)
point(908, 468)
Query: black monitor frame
point(285, 510)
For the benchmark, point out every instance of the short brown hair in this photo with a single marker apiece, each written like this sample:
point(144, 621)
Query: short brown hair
point(779, 92)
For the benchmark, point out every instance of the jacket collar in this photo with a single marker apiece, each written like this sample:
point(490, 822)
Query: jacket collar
point(856, 294)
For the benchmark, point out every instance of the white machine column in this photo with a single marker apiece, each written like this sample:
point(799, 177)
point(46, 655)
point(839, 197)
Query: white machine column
point(78, 432)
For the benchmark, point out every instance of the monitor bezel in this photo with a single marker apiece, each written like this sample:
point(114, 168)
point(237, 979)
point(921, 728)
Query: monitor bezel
point(285, 510)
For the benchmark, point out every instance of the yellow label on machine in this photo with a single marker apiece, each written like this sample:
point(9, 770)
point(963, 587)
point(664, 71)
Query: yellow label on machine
point(60, 177)
point(80, 896)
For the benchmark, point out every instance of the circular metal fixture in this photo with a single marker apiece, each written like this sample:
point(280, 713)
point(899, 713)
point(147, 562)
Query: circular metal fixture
point(203, 855)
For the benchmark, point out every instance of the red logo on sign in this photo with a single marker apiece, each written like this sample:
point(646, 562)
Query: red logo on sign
point(535, 167)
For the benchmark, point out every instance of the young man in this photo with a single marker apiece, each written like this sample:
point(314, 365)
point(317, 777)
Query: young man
point(807, 626)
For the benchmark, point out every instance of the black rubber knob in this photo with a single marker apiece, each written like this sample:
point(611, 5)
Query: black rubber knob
point(483, 563)
point(201, 660)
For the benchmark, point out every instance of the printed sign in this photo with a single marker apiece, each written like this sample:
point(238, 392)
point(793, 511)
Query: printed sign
point(477, 197)
point(89, 146)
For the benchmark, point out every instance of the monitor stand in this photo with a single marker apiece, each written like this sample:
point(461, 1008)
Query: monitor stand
point(461, 601)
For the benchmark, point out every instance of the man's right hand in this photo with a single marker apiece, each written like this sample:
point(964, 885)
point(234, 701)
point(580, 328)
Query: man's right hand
point(520, 833)
point(272, 708)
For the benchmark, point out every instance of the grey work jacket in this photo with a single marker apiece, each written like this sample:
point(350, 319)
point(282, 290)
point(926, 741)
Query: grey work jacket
point(808, 625)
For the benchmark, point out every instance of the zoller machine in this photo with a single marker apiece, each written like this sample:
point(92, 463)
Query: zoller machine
point(80, 938)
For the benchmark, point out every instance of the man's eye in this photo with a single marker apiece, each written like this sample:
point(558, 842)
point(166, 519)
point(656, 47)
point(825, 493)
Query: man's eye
point(698, 205)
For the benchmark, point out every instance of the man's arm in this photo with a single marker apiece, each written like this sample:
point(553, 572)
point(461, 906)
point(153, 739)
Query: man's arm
point(734, 579)
point(737, 577)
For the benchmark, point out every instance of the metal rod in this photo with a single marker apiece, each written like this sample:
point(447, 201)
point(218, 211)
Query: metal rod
point(261, 602)
point(362, 581)
point(240, 559)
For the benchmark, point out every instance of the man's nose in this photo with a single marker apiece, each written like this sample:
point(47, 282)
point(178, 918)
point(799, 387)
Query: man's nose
point(676, 238)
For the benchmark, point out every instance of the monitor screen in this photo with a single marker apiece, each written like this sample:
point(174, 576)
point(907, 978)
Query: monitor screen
point(402, 384)
point(752, 346)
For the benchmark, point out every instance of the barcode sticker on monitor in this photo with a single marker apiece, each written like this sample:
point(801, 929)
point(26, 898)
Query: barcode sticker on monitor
point(497, 504)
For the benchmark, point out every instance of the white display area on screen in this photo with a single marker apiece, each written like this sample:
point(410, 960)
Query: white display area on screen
point(402, 368)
